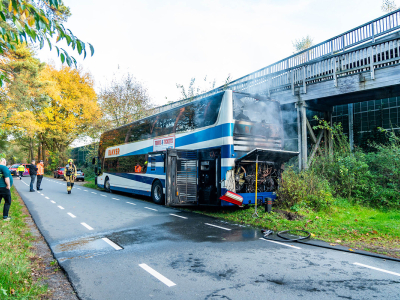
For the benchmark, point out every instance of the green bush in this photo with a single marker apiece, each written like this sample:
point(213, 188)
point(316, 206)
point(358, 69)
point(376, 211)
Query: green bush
point(303, 190)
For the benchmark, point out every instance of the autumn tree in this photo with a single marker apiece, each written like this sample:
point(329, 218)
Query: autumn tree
point(302, 44)
point(124, 101)
point(388, 6)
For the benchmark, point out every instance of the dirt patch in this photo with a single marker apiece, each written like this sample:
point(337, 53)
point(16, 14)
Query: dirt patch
point(47, 267)
point(289, 215)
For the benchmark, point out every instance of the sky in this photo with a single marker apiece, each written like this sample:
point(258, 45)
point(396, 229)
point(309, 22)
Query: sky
point(162, 43)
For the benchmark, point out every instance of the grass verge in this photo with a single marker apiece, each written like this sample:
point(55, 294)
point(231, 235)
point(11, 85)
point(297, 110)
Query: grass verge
point(18, 266)
point(90, 184)
point(345, 224)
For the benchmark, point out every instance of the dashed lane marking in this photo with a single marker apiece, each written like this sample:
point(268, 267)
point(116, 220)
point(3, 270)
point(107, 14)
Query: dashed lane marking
point(85, 190)
point(78, 188)
point(52, 201)
point(178, 216)
point(377, 269)
point(60, 207)
point(42, 194)
point(150, 208)
point(94, 193)
point(71, 215)
point(112, 244)
point(131, 203)
point(115, 199)
point(283, 244)
point(87, 226)
point(47, 197)
point(157, 275)
point(218, 226)
point(103, 195)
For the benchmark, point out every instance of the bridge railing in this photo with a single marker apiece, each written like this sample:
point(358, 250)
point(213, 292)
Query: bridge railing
point(293, 68)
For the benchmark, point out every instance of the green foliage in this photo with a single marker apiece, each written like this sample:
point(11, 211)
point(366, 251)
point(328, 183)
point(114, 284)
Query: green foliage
point(371, 179)
point(24, 21)
point(303, 43)
point(303, 190)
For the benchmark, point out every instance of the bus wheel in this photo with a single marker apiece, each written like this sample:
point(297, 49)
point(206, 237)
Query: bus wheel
point(157, 193)
point(107, 185)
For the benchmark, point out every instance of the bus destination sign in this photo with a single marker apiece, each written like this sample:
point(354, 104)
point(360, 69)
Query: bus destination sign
point(164, 143)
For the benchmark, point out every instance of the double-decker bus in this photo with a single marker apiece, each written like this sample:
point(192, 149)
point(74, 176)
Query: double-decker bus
point(212, 151)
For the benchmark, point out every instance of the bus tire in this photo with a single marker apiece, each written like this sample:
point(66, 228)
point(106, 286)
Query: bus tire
point(107, 186)
point(157, 192)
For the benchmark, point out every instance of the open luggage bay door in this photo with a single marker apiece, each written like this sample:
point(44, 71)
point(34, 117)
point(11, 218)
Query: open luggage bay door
point(181, 177)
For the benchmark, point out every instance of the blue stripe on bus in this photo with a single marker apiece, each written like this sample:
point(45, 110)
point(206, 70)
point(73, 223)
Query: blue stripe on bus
point(212, 133)
point(133, 191)
point(139, 178)
point(205, 135)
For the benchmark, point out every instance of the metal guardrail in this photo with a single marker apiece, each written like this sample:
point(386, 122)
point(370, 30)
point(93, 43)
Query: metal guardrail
point(365, 33)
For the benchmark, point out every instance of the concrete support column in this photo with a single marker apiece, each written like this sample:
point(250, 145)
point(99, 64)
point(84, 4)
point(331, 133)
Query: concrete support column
point(299, 135)
point(351, 121)
point(302, 134)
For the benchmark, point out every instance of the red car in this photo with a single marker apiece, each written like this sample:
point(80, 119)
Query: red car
point(59, 172)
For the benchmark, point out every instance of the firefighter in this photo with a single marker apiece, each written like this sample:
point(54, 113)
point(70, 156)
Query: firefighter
point(21, 170)
point(70, 175)
point(138, 168)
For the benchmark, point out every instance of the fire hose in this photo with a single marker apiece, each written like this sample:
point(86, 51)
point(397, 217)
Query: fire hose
point(292, 232)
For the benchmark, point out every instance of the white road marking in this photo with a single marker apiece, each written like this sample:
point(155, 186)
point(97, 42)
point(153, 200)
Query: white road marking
point(178, 216)
point(85, 190)
point(112, 244)
point(71, 215)
point(217, 226)
point(60, 207)
point(377, 269)
point(283, 244)
point(131, 203)
point(157, 275)
point(42, 194)
point(78, 188)
point(52, 201)
point(38, 192)
point(47, 197)
point(103, 195)
point(115, 199)
point(87, 226)
point(151, 208)
point(94, 193)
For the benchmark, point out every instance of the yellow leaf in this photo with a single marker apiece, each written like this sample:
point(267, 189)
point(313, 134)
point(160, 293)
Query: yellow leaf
point(10, 8)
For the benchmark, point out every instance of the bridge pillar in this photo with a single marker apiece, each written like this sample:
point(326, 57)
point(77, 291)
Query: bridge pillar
point(351, 132)
point(302, 134)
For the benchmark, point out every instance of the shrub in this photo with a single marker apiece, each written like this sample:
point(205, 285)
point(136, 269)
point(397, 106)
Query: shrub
point(303, 190)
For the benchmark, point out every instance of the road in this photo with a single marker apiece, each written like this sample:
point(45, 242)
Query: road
point(114, 246)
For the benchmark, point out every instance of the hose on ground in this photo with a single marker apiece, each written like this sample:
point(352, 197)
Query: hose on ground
point(292, 232)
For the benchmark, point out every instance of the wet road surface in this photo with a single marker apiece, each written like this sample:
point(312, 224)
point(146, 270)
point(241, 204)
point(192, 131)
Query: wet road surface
point(113, 246)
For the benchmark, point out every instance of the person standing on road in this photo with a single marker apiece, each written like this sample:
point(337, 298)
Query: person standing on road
point(70, 175)
point(21, 170)
point(32, 172)
point(6, 182)
point(40, 173)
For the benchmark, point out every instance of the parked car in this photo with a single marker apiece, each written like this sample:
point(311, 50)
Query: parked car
point(13, 169)
point(80, 175)
point(59, 172)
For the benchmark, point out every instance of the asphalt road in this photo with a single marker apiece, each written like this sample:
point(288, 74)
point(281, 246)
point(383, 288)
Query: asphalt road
point(114, 246)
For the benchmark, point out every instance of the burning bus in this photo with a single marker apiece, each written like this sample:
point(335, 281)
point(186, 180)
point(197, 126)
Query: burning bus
point(225, 149)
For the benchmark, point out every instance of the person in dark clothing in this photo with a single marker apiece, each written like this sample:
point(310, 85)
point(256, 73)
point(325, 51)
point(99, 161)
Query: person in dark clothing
point(6, 181)
point(32, 172)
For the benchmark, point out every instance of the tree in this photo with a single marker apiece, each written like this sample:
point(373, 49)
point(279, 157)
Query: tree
point(36, 21)
point(388, 6)
point(124, 101)
point(302, 44)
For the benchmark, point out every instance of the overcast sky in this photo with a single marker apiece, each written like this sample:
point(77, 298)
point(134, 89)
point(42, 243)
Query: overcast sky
point(163, 42)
